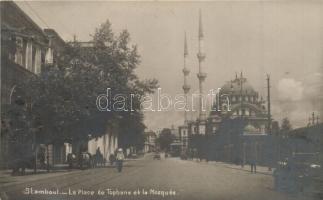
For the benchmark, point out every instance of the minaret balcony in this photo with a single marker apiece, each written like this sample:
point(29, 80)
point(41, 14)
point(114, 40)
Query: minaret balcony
point(186, 71)
point(201, 56)
point(201, 76)
point(186, 88)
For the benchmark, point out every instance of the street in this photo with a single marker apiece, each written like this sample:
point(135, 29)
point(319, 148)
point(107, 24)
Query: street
point(149, 179)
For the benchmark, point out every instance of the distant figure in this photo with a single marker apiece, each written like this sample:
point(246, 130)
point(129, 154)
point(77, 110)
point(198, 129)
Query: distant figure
point(71, 160)
point(120, 158)
point(98, 151)
point(41, 156)
point(112, 159)
point(253, 166)
point(98, 157)
point(253, 159)
point(190, 154)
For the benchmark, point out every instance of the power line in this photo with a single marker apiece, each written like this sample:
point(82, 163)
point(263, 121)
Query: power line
point(66, 29)
point(43, 21)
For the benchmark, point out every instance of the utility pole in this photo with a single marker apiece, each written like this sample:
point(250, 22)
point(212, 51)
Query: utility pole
point(313, 119)
point(268, 103)
point(241, 104)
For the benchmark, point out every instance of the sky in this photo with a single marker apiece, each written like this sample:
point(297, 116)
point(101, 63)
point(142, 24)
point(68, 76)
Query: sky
point(280, 38)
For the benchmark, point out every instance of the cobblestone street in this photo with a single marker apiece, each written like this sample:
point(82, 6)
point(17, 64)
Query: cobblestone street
point(171, 178)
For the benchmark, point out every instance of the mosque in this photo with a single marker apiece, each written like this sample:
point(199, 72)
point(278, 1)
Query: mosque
point(244, 103)
point(239, 128)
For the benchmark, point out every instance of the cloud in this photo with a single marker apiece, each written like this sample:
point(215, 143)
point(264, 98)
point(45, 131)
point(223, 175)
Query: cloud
point(290, 89)
point(298, 99)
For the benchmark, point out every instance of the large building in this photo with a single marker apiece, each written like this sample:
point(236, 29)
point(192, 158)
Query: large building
point(238, 100)
point(23, 49)
point(239, 125)
point(26, 51)
point(239, 120)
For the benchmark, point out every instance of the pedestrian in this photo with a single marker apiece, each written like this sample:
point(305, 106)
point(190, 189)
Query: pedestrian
point(253, 159)
point(253, 166)
point(120, 158)
point(97, 157)
point(112, 159)
point(98, 151)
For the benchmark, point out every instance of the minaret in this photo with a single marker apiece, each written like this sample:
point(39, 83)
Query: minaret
point(186, 87)
point(201, 76)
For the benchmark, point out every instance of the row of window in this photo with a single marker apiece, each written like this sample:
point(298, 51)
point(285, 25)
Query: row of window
point(245, 112)
point(29, 55)
point(244, 98)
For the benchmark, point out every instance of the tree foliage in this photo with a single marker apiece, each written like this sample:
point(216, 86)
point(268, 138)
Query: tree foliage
point(64, 96)
point(285, 126)
point(165, 138)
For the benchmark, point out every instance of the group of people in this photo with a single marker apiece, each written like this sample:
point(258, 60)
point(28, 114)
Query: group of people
point(117, 158)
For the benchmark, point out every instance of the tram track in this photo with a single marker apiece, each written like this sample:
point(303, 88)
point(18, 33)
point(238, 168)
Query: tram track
point(59, 180)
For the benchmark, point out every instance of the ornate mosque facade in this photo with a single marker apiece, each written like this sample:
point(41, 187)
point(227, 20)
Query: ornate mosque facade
point(239, 101)
point(239, 123)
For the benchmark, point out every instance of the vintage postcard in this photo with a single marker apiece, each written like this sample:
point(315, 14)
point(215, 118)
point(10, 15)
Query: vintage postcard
point(190, 100)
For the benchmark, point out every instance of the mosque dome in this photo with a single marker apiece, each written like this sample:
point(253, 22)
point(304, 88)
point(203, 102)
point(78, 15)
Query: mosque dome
point(238, 86)
point(240, 97)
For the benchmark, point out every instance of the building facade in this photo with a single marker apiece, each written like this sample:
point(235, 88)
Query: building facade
point(183, 137)
point(23, 49)
point(238, 100)
point(176, 145)
point(150, 142)
point(26, 51)
point(106, 144)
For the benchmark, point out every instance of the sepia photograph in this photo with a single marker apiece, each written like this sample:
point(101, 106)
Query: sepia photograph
point(151, 100)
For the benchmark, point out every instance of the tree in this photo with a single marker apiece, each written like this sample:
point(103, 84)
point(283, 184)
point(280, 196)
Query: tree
point(20, 131)
point(64, 97)
point(285, 126)
point(165, 139)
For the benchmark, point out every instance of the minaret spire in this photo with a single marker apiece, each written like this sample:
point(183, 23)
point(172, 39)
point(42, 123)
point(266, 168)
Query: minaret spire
point(185, 46)
point(201, 75)
point(186, 87)
point(201, 35)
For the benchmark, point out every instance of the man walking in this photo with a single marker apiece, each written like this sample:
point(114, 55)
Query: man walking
point(120, 158)
point(253, 160)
